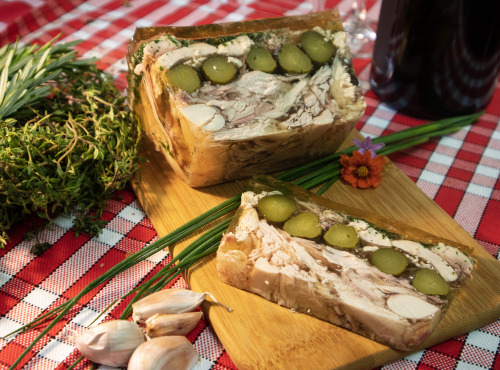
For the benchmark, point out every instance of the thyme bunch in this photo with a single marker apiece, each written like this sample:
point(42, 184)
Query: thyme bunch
point(67, 137)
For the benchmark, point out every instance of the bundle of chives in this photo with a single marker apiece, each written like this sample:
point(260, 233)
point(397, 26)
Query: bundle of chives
point(400, 140)
point(322, 171)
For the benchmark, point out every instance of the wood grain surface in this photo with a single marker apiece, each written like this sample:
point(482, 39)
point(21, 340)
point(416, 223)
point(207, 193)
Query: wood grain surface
point(258, 334)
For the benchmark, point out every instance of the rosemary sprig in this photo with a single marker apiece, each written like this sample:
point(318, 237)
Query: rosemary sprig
point(309, 176)
point(28, 71)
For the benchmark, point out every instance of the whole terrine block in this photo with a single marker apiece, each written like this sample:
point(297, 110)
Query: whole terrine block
point(213, 129)
point(376, 277)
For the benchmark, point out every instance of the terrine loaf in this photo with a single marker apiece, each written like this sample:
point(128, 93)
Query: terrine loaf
point(376, 277)
point(227, 101)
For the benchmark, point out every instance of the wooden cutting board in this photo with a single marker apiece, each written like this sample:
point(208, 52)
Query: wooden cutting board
point(259, 334)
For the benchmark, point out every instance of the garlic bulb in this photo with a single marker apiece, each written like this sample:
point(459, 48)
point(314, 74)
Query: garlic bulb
point(165, 353)
point(172, 324)
point(166, 301)
point(110, 343)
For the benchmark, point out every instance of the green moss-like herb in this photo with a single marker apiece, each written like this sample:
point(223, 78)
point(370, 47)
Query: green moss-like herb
point(66, 151)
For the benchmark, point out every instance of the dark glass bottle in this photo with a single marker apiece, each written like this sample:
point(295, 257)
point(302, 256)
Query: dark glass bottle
point(437, 58)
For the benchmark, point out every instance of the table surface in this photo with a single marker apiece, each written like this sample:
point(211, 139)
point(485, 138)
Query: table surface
point(459, 172)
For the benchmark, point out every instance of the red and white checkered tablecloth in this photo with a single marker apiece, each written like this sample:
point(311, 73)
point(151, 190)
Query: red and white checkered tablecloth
point(460, 172)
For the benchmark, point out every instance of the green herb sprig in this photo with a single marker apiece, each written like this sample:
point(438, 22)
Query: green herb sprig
point(322, 172)
point(27, 73)
point(67, 137)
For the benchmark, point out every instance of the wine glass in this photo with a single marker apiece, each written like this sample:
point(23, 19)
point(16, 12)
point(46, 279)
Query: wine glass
point(360, 35)
point(318, 5)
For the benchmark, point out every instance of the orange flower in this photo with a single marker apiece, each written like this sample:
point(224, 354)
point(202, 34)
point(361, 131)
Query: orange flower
point(361, 170)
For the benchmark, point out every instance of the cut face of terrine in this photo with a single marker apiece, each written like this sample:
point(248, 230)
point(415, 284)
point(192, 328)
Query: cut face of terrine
point(378, 278)
point(227, 101)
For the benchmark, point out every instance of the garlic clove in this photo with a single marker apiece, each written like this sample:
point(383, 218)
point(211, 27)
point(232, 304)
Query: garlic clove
point(110, 343)
point(165, 353)
point(166, 301)
point(172, 324)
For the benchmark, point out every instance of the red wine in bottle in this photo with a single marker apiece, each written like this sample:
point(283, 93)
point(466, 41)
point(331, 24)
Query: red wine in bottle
point(437, 58)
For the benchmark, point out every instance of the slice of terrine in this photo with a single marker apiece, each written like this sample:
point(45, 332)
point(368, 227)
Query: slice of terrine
point(378, 278)
point(227, 101)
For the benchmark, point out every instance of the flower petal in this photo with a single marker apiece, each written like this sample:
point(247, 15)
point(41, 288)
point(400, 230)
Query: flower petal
point(358, 143)
point(350, 171)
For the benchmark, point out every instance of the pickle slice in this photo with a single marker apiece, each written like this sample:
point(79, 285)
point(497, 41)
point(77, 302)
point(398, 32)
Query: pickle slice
point(276, 208)
point(317, 47)
point(260, 59)
point(304, 225)
point(218, 69)
point(342, 236)
point(184, 77)
point(428, 281)
point(389, 261)
point(293, 60)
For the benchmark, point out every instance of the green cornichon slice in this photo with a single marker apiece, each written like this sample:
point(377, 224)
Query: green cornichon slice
point(304, 225)
point(218, 69)
point(260, 59)
point(389, 261)
point(276, 208)
point(293, 60)
point(342, 236)
point(184, 77)
point(428, 281)
point(319, 48)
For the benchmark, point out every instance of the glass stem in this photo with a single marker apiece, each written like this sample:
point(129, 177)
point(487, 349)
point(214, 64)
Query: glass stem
point(318, 5)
